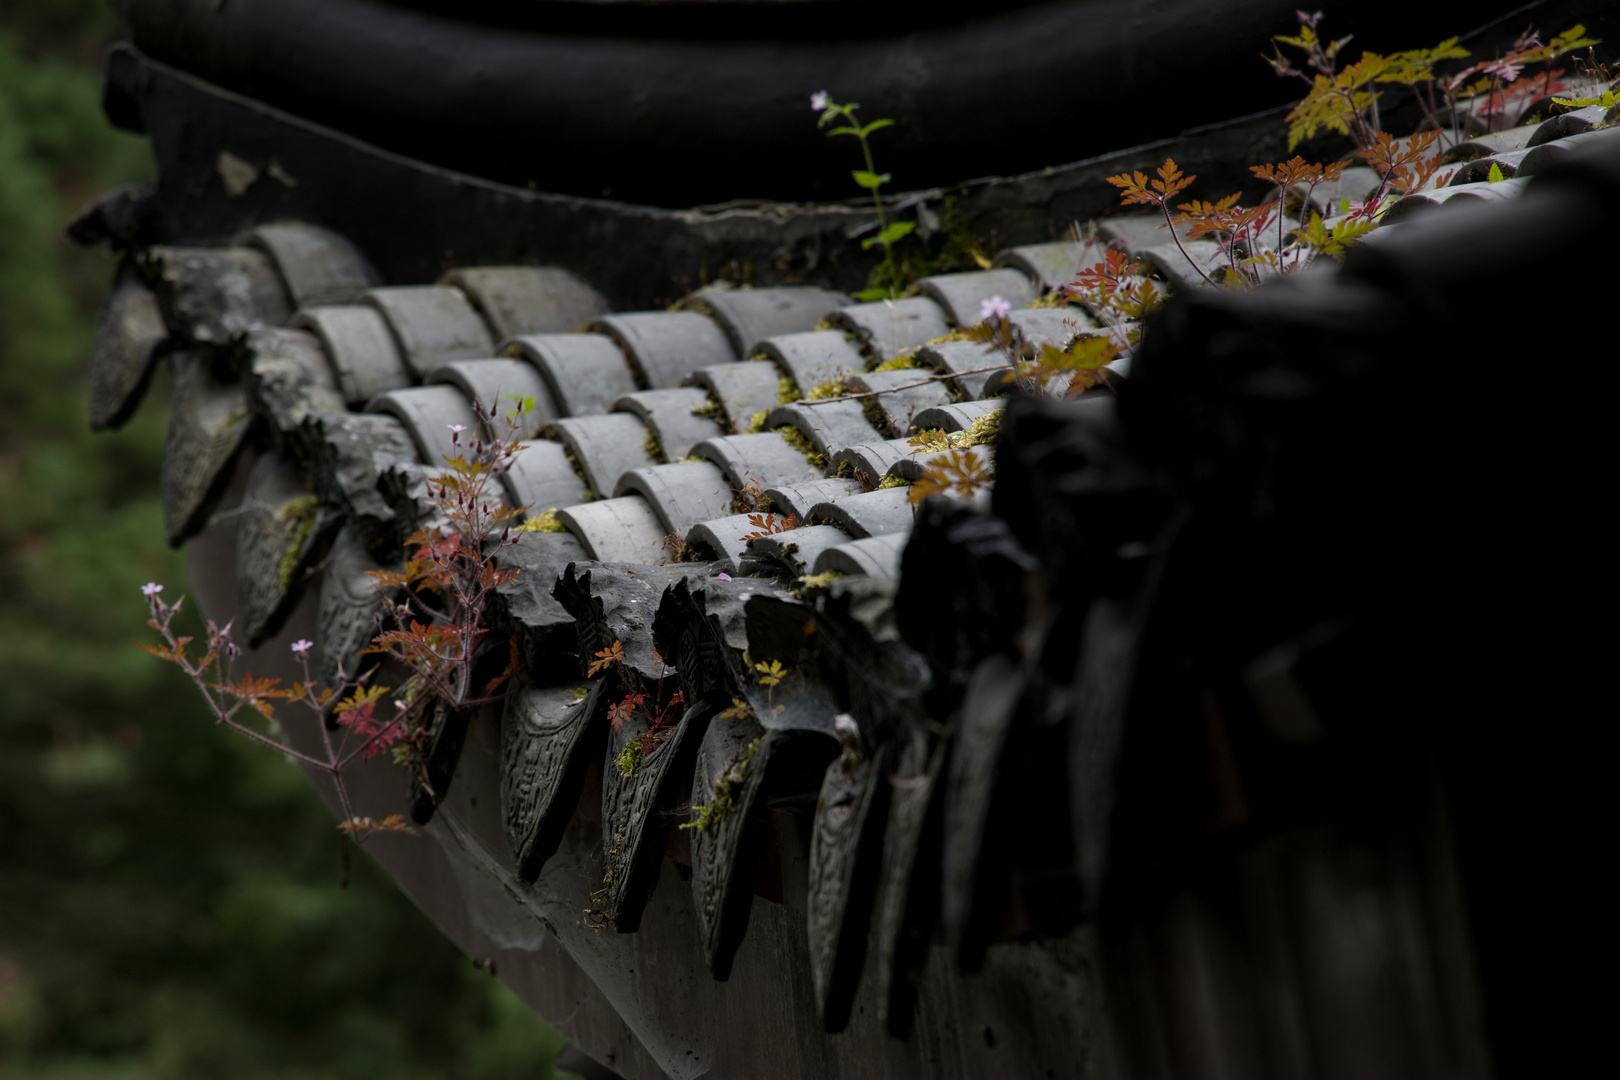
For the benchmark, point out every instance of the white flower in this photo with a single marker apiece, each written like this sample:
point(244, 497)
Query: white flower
point(301, 647)
point(820, 101)
point(994, 308)
point(151, 588)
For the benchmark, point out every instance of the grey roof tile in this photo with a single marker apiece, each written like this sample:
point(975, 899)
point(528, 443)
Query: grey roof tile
point(1479, 170)
point(1052, 264)
point(346, 616)
point(667, 346)
point(1423, 202)
point(1055, 326)
point(622, 530)
point(208, 422)
point(900, 396)
point(1543, 157)
point(797, 549)
point(830, 425)
point(525, 606)
point(586, 373)
point(871, 461)
point(1136, 232)
point(1493, 143)
point(316, 265)
point(870, 513)
point(542, 478)
point(749, 316)
point(668, 415)
point(762, 459)
point(797, 499)
point(1356, 183)
point(427, 413)
point(549, 739)
point(722, 538)
point(509, 382)
point(969, 363)
point(811, 359)
point(742, 389)
point(961, 294)
point(127, 340)
point(1574, 122)
point(432, 324)
point(911, 466)
point(211, 296)
point(360, 348)
point(605, 446)
point(349, 453)
point(960, 415)
point(1187, 266)
point(516, 300)
point(288, 377)
point(878, 556)
point(889, 327)
point(682, 493)
point(279, 534)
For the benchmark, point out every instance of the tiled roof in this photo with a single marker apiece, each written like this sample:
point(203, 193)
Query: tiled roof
point(298, 372)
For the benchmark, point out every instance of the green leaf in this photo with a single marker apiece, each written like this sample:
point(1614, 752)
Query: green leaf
point(846, 130)
point(875, 125)
point(867, 296)
point(870, 180)
point(1495, 175)
point(890, 235)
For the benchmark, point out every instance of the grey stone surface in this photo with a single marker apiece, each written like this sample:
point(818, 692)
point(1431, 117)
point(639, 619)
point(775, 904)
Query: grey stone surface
point(741, 389)
point(870, 513)
point(624, 529)
point(962, 294)
point(888, 327)
point(606, 447)
point(506, 382)
point(281, 532)
point(586, 373)
point(212, 295)
point(542, 478)
point(667, 346)
point(669, 415)
point(349, 453)
point(432, 324)
point(316, 265)
point(813, 358)
point(760, 460)
point(288, 378)
point(360, 348)
point(208, 423)
point(681, 494)
point(127, 340)
point(428, 413)
point(517, 300)
point(525, 607)
point(749, 316)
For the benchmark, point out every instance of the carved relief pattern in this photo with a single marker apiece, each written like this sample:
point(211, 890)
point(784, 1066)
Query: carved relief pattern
point(542, 737)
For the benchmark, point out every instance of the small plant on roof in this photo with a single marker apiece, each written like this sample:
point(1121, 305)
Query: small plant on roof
point(1346, 99)
point(431, 636)
point(868, 178)
point(661, 715)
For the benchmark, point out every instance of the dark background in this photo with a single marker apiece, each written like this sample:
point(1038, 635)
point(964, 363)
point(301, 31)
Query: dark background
point(170, 900)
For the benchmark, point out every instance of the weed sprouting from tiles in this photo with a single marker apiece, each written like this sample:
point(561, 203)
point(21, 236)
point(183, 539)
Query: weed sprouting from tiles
point(432, 636)
point(868, 178)
point(660, 714)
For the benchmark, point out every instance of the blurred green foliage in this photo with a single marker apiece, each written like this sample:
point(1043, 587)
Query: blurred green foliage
point(170, 902)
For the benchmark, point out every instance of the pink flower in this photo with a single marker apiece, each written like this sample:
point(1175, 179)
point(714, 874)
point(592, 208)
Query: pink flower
point(151, 589)
point(994, 308)
point(723, 577)
point(820, 101)
point(301, 648)
point(455, 432)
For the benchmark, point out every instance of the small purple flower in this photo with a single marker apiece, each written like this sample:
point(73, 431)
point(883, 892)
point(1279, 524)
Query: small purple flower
point(455, 433)
point(820, 101)
point(723, 577)
point(301, 648)
point(994, 308)
point(151, 589)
